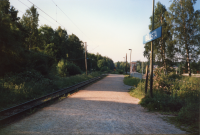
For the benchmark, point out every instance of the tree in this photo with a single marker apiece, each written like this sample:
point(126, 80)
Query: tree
point(101, 63)
point(75, 51)
point(30, 21)
point(185, 29)
point(46, 36)
point(9, 49)
point(162, 46)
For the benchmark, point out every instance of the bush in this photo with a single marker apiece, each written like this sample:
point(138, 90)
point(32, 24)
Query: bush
point(162, 102)
point(105, 68)
point(172, 93)
point(19, 88)
point(62, 68)
point(189, 114)
point(73, 69)
point(66, 68)
point(120, 71)
point(27, 85)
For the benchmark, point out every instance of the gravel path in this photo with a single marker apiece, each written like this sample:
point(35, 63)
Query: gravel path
point(104, 107)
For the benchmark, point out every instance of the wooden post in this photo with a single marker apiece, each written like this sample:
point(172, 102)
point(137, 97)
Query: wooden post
point(86, 58)
point(126, 63)
point(146, 85)
point(151, 72)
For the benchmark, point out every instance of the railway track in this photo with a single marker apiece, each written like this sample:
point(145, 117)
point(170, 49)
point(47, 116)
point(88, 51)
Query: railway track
point(7, 115)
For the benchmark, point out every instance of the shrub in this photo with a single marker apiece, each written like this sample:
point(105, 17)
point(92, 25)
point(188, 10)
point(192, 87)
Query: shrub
point(189, 114)
point(162, 102)
point(25, 86)
point(173, 93)
point(120, 71)
point(105, 68)
point(62, 68)
point(73, 69)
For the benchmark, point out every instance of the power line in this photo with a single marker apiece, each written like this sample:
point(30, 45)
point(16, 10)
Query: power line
point(68, 18)
point(94, 48)
point(48, 15)
point(56, 18)
point(73, 22)
point(40, 15)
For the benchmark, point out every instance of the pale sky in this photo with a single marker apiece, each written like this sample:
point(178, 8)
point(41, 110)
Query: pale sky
point(110, 27)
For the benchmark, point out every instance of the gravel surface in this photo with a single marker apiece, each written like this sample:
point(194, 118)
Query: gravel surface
point(104, 107)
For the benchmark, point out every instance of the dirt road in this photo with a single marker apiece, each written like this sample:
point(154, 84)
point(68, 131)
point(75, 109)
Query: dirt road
point(104, 107)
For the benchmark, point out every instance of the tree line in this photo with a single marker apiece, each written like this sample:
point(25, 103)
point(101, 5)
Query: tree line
point(25, 46)
point(180, 41)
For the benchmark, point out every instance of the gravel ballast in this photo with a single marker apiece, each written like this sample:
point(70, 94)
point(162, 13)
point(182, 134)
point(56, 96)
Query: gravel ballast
point(104, 107)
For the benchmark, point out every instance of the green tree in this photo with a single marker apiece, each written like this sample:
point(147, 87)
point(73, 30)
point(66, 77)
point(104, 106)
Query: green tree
point(163, 46)
point(9, 49)
point(101, 63)
point(185, 29)
point(30, 21)
point(46, 36)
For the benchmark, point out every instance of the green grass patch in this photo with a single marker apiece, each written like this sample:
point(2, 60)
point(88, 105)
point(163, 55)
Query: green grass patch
point(131, 81)
point(138, 86)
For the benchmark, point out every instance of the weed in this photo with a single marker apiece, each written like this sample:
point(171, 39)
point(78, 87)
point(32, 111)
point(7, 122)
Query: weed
point(172, 94)
point(19, 88)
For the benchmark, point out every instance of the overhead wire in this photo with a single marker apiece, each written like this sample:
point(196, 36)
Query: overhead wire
point(73, 23)
point(48, 15)
point(94, 48)
point(49, 21)
point(40, 15)
point(56, 18)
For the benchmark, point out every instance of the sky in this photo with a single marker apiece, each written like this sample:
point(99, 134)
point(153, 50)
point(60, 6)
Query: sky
point(110, 27)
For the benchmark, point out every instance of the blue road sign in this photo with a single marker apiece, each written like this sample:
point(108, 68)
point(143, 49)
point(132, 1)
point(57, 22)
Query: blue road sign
point(152, 35)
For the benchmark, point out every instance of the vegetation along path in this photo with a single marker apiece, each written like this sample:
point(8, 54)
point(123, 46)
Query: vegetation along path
point(104, 107)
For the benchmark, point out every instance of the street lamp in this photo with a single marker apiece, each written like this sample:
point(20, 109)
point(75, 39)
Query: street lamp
point(130, 61)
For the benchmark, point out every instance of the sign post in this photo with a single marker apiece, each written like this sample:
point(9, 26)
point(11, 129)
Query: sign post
point(150, 37)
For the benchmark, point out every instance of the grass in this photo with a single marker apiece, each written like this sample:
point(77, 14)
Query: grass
point(138, 86)
point(179, 98)
point(132, 81)
point(23, 87)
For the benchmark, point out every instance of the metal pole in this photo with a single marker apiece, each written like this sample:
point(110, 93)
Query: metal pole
point(151, 75)
point(86, 58)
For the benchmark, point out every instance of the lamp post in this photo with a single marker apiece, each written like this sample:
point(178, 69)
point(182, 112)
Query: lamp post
point(130, 61)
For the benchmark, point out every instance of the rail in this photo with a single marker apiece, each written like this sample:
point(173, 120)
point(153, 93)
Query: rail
point(9, 113)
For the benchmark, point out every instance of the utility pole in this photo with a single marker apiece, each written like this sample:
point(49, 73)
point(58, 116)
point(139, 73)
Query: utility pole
point(86, 58)
point(151, 75)
point(126, 63)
